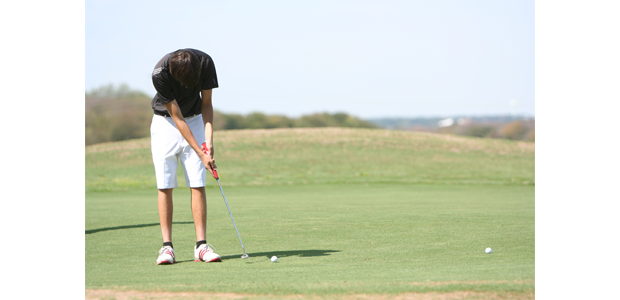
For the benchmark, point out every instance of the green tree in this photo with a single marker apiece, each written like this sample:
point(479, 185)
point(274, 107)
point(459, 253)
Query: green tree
point(115, 114)
point(332, 120)
point(513, 130)
point(477, 130)
point(234, 121)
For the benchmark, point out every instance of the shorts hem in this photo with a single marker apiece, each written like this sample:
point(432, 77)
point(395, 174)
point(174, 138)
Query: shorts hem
point(195, 185)
point(166, 188)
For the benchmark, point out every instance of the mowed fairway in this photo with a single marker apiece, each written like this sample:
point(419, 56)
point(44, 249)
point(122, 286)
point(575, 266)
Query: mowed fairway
point(349, 212)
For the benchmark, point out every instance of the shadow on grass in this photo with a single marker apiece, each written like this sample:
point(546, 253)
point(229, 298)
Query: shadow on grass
point(279, 254)
point(131, 227)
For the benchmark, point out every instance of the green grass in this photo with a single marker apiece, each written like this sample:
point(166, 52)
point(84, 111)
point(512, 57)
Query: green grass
point(370, 211)
point(328, 155)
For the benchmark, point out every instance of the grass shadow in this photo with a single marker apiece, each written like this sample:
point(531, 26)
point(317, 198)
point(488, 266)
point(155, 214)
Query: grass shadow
point(281, 254)
point(131, 227)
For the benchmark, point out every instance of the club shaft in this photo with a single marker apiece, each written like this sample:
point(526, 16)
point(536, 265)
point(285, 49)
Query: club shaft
point(231, 216)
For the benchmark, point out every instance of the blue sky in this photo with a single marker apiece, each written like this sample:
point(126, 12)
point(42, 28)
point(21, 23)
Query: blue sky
point(368, 58)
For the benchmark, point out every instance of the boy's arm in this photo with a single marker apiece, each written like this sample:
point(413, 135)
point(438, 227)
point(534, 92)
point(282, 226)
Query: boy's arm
point(175, 112)
point(207, 119)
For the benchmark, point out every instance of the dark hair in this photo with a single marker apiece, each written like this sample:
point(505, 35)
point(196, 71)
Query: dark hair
point(185, 67)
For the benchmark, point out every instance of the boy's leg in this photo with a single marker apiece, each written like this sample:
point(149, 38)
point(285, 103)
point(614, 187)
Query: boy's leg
point(202, 250)
point(199, 211)
point(195, 176)
point(164, 202)
point(165, 146)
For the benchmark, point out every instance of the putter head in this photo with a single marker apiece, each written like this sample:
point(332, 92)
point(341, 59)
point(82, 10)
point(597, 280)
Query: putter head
point(244, 256)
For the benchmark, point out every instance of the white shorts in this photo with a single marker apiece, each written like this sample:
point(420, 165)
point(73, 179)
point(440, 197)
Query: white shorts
point(168, 146)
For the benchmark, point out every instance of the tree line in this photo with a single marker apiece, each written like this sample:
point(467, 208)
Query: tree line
point(120, 113)
point(523, 130)
point(498, 127)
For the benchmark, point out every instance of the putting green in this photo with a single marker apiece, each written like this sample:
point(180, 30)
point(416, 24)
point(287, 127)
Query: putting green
point(330, 239)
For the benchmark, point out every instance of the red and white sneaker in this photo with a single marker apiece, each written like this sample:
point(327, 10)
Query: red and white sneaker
point(205, 253)
point(166, 256)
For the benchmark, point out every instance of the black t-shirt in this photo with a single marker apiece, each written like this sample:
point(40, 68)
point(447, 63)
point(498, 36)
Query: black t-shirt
point(169, 89)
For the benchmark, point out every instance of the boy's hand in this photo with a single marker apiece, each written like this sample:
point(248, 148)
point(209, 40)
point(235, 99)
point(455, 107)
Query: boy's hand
point(208, 160)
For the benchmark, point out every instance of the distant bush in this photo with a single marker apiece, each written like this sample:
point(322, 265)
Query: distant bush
point(477, 130)
point(119, 113)
point(332, 120)
point(114, 114)
point(530, 135)
point(259, 120)
point(499, 127)
point(513, 130)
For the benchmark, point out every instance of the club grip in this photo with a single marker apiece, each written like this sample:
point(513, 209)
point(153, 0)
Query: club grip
point(206, 151)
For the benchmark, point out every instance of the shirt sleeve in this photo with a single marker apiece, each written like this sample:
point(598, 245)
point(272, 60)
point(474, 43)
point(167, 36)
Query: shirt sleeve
point(209, 79)
point(162, 85)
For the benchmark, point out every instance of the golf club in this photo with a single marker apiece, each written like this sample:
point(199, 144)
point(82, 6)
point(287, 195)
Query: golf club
point(206, 151)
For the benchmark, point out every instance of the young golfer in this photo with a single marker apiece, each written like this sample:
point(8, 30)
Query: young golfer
point(182, 121)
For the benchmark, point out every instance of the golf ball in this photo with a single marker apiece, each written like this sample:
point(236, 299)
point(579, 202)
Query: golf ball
point(488, 250)
point(274, 258)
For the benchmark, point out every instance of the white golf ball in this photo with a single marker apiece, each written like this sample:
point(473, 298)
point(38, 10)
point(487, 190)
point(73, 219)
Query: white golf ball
point(274, 258)
point(488, 250)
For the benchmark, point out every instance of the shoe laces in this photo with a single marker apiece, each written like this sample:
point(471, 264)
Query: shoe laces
point(210, 247)
point(163, 249)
